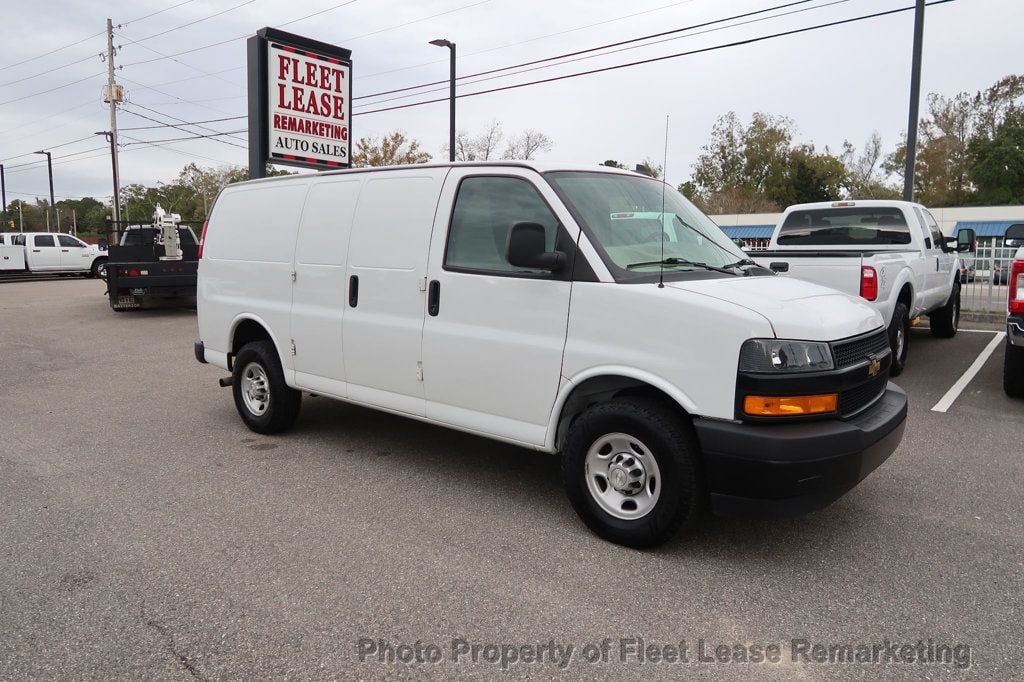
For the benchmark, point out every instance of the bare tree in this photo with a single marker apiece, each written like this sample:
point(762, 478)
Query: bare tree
point(483, 147)
point(527, 144)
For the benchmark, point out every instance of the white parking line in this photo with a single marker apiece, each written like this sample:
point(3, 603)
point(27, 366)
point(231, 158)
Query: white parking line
point(956, 389)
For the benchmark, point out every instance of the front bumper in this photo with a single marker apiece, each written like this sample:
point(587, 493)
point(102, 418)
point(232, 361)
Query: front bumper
point(778, 470)
point(1015, 330)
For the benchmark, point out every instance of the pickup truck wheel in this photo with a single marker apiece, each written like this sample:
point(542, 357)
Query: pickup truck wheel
point(945, 320)
point(630, 470)
point(99, 268)
point(899, 335)
point(264, 401)
point(1013, 371)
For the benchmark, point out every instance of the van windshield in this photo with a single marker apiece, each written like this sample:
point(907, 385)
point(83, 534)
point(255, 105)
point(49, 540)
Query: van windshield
point(624, 216)
point(845, 227)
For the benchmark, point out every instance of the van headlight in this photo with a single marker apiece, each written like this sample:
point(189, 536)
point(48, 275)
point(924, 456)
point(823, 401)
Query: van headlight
point(783, 355)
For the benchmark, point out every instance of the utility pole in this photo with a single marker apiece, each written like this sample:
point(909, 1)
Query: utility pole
point(21, 217)
point(113, 96)
point(3, 190)
point(74, 221)
point(915, 100)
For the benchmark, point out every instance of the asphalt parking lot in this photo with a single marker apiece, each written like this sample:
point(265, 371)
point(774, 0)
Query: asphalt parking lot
point(145, 532)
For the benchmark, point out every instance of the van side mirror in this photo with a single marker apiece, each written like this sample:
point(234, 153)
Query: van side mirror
point(965, 240)
point(1014, 235)
point(525, 245)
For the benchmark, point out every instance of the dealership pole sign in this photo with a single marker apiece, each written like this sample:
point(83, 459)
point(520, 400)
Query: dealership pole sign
point(300, 102)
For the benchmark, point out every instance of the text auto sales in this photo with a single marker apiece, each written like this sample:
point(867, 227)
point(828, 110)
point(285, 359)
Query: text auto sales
point(314, 89)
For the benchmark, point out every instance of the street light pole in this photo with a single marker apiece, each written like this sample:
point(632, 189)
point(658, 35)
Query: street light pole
point(440, 42)
point(915, 99)
point(49, 170)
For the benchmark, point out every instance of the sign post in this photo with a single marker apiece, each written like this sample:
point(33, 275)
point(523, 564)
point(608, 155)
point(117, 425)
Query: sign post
point(300, 102)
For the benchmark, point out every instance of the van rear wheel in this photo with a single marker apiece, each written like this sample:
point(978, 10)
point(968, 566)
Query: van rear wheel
point(264, 401)
point(630, 470)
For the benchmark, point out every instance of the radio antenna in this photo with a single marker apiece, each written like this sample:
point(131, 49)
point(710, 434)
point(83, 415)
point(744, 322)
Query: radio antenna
point(661, 218)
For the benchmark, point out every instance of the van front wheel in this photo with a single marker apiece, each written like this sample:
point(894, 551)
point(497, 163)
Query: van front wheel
point(264, 401)
point(630, 470)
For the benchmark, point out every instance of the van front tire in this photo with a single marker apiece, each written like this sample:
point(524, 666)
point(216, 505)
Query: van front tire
point(264, 401)
point(630, 470)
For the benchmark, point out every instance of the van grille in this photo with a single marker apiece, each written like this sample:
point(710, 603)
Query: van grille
point(853, 400)
point(854, 351)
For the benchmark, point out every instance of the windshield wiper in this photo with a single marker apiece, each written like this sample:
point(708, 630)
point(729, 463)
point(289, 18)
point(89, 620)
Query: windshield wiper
point(679, 261)
point(740, 263)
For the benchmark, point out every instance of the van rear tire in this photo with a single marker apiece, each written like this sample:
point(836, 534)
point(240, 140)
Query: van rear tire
point(264, 401)
point(644, 448)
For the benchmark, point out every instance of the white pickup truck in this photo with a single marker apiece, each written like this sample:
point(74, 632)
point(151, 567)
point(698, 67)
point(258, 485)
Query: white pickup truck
point(38, 252)
point(891, 253)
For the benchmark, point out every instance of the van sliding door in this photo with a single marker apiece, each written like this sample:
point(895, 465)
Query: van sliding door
point(387, 269)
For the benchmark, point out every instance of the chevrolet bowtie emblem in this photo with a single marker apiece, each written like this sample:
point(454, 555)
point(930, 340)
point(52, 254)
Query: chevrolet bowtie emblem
point(873, 366)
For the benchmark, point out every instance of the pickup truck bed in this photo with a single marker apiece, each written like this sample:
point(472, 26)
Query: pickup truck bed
point(137, 278)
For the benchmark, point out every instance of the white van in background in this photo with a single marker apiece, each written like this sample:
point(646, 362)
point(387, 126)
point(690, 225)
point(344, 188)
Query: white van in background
point(519, 301)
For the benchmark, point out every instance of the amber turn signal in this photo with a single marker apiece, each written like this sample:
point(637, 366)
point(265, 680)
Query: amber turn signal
point(789, 405)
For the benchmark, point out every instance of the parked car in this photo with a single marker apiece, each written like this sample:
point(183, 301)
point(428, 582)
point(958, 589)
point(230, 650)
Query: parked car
point(967, 271)
point(52, 252)
point(1013, 354)
point(1001, 272)
point(542, 306)
point(891, 253)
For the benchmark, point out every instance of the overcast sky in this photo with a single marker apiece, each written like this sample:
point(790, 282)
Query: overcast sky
point(835, 83)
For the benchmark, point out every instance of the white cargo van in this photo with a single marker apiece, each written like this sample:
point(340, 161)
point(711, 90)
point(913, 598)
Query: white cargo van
point(523, 302)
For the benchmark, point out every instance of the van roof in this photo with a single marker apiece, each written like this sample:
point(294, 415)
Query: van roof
point(539, 166)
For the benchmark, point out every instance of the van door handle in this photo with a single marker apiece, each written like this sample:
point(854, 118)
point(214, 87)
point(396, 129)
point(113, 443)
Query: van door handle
point(353, 291)
point(63, 250)
point(434, 298)
point(779, 267)
point(35, 250)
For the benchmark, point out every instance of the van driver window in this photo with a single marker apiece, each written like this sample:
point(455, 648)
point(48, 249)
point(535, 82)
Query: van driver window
point(484, 209)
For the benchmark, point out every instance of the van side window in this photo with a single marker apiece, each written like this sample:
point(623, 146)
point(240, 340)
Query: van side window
point(484, 209)
point(43, 240)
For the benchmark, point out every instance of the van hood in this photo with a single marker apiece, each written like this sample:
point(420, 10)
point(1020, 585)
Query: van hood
point(795, 309)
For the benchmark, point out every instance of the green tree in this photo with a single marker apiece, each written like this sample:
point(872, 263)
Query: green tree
point(997, 165)
point(757, 168)
point(612, 163)
point(391, 150)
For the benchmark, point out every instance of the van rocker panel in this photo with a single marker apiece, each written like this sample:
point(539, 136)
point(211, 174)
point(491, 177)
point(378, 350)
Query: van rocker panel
point(778, 470)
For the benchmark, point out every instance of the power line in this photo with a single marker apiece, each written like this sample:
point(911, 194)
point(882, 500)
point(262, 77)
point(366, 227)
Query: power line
point(191, 123)
point(591, 49)
point(586, 56)
point(181, 128)
point(51, 147)
point(185, 64)
point(87, 38)
point(231, 40)
point(713, 48)
point(166, 147)
point(43, 92)
point(48, 71)
point(197, 136)
point(21, 167)
point(196, 21)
